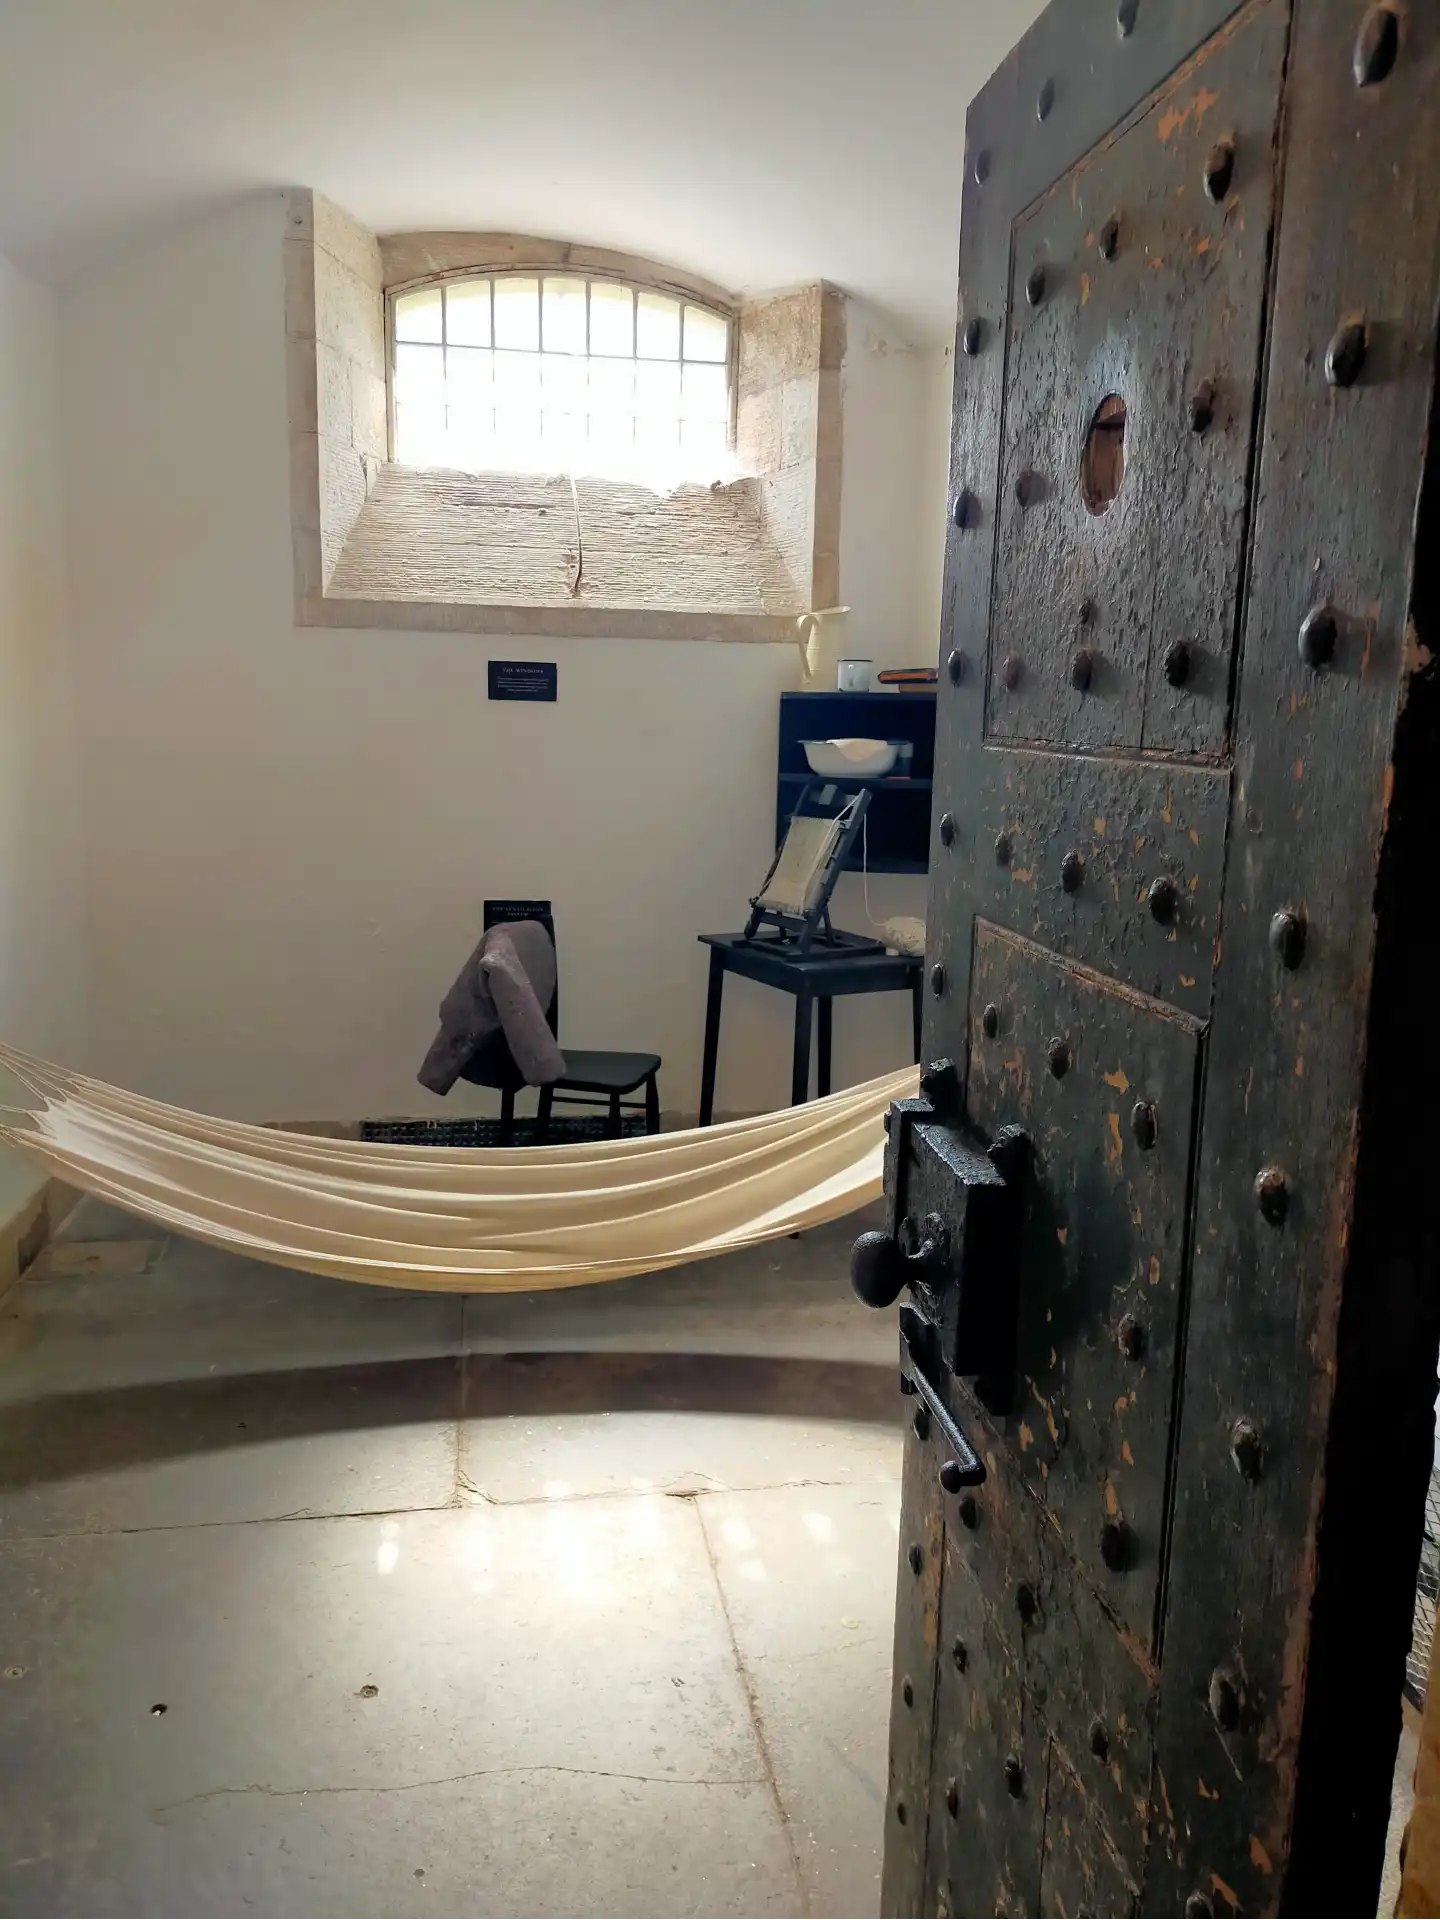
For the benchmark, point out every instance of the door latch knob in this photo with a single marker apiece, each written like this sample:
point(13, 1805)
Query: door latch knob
point(879, 1267)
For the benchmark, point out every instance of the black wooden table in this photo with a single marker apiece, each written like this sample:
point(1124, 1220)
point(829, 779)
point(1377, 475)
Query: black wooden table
point(814, 978)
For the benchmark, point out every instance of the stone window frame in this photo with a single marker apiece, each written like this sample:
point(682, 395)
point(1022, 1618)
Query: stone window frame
point(789, 348)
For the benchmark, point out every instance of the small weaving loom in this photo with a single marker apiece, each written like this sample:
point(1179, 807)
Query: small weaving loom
point(794, 901)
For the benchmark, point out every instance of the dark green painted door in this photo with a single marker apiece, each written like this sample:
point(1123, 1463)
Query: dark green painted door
point(1180, 938)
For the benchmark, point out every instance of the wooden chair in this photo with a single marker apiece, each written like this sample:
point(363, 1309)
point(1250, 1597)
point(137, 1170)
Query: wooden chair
point(591, 1078)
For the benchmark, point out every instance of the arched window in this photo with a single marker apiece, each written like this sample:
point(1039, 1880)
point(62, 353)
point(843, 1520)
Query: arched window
point(521, 372)
point(502, 433)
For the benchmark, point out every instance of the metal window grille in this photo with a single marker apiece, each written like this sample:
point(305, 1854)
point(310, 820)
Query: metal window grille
point(520, 372)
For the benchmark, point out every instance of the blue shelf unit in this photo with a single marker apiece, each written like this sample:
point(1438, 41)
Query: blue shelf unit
point(898, 826)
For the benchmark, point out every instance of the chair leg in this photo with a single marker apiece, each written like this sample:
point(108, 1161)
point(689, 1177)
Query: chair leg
point(507, 1117)
point(616, 1121)
point(542, 1113)
point(652, 1105)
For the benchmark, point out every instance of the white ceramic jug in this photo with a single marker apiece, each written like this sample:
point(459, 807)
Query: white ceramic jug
point(816, 637)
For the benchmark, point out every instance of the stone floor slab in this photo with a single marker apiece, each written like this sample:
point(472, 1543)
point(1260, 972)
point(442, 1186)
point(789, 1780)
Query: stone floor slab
point(99, 1259)
point(504, 1680)
point(476, 1711)
point(562, 1425)
point(787, 1299)
point(808, 1576)
point(209, 1389)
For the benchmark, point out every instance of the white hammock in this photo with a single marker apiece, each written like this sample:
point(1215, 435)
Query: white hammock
point(455, 1220)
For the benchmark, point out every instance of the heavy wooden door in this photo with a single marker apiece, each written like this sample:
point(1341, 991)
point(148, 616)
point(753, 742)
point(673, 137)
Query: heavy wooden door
point(1165, 1230)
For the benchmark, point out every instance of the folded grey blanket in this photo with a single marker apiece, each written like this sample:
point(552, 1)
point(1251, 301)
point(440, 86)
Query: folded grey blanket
point(504, 988)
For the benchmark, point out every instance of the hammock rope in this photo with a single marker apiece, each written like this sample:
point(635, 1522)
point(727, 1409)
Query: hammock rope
point(455, 1219)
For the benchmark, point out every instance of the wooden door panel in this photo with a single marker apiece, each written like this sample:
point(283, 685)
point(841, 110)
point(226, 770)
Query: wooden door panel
point(1018, 817)
point(1101, 62)
point(1129, 282)
point(987, 1812)
point(1104, 1083)
point(912, 1718)
point(1088, 1683)
point(1095, 75)
point(1079, 1873)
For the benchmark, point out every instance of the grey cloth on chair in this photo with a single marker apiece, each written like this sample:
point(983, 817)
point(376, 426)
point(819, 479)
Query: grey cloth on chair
point(505, 987)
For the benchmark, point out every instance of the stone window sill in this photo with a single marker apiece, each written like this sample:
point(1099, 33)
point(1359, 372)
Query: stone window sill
point(524, 554)
point(547, 623)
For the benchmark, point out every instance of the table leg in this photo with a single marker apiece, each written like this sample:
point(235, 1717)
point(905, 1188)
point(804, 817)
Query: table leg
point(712, 1036)
point(917, 1008)
point(804, 1020)
point(822, 1065)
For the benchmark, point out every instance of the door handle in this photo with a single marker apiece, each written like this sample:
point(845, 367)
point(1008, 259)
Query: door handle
point(964, 1468)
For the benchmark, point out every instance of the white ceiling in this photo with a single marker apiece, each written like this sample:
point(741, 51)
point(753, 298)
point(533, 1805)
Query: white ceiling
point(759, 142)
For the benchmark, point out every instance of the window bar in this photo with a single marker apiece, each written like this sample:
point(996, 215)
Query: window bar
point(634, 365)
point(683, 361)
point(590, 411)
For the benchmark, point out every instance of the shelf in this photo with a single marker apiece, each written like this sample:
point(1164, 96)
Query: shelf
point(897, 830)
point(891, 695)
point(886, 782)
point(887, 864)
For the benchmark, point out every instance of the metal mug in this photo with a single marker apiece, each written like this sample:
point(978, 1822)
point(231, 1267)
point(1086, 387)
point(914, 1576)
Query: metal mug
point(853, 676)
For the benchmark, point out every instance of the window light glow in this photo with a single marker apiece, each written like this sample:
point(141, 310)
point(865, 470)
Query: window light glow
point(553, 373)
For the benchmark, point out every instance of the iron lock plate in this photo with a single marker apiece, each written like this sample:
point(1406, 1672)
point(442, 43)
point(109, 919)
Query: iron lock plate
point(954, 1208)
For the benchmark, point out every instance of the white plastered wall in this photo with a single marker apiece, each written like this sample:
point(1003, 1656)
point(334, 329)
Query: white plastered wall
point(892, 536)
point(292, 829)
point(42, 934)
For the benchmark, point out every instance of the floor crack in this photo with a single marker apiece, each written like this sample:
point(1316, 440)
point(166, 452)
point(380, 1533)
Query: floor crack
point(468, 1493)
point(445, 1780)
point(756, 1720)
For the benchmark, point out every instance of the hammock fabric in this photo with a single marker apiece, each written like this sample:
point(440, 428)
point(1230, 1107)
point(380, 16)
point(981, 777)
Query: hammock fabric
point(453, 1220)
